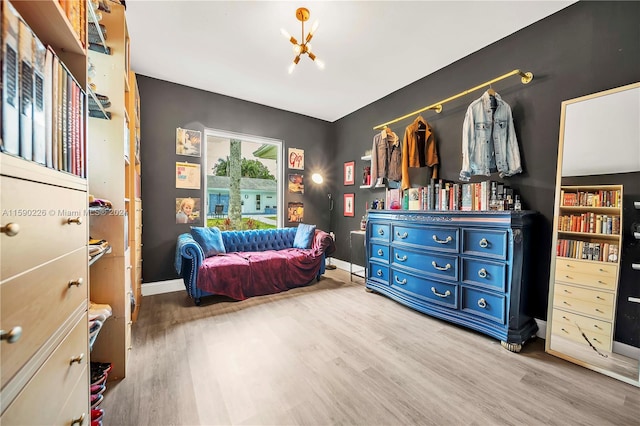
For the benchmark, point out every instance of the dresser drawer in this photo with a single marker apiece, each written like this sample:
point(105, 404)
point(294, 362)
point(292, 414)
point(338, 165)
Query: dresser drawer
point(379, 252)
point(40, 401)
point(483, 242)
point(435, 265)
point(596, 310)
point(484, 304)
point(437, 292)
point(77, 405)
point(39, 301)
point(601, 341)
point(433, 237)
point(584, 323)
point(380, 232)
point(597, 276)
point(379, 273)
point(42, 213)
point(484, 273)
point(584, 294)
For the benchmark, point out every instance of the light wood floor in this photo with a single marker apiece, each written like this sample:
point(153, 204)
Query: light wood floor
point(332, 353)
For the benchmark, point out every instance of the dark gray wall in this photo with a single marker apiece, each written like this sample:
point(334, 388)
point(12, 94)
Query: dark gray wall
point(585, 48)
point(166, 106)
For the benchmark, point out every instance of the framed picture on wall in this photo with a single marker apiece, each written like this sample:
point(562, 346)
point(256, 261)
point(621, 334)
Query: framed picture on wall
point(348, 204)
point(187, 210)
point(296, 159)
point(349, 171)
point(188, 142)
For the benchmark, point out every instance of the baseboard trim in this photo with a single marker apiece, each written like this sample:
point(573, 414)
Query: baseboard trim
point(160, 287)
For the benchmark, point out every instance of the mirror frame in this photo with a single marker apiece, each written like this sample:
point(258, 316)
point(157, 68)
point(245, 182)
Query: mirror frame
point(556, 213)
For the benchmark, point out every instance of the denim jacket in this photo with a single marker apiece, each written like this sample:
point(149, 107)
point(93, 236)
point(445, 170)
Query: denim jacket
point(489, 143)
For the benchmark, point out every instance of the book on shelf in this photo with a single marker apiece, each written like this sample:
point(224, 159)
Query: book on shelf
point(414, 198)
point(49, 102)
point(10, 80)
point(25, 58)
point(39, 137)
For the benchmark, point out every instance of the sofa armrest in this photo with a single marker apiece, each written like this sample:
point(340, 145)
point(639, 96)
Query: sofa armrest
point(187, 249)
point(323, 243)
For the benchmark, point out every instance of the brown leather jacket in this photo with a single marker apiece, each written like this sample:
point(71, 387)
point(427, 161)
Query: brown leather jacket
point(418, 149)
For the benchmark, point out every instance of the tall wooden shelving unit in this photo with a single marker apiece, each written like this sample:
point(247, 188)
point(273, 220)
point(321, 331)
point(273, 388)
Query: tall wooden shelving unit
point(133, 188)
point(108, 163)
point(44, 361)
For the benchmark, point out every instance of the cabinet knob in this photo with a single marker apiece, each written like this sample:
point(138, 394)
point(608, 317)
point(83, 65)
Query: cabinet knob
point(77, 221)
point(12, 335)
point(482, 303)
point(76, 283)
point(484, 243)
point(380, 252)
point(79, 420)
point(482, 273)
point(10, 229)
point(77, 359)
point(379, 273)
point(381, 231)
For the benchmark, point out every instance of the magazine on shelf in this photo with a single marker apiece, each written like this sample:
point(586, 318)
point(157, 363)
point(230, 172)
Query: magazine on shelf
point(25, 57)
point(39, 138)
point(10, 80)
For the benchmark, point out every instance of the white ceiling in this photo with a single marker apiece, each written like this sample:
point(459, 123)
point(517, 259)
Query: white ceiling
point(370, 48)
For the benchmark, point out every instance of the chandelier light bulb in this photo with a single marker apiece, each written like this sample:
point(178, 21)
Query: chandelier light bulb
point(285, 33)
point(319, 63)
point(309, 48)
point(296, 49)
point(291, 68)
point(314, 27)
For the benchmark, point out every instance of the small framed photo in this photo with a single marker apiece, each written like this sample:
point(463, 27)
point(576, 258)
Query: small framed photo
point(349, 171)
point(348, 204)
point(188, 142)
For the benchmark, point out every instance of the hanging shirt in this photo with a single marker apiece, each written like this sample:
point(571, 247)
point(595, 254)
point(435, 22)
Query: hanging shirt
point(489, 140)
point(418, 148)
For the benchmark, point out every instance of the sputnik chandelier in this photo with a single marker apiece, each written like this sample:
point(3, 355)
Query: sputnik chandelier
point(304, 46)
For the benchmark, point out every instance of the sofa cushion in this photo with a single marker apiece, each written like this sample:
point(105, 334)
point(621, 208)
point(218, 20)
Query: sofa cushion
point(304, 236)
point(210, 239)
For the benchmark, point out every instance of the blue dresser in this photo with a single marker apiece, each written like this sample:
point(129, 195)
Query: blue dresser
point(469, 268)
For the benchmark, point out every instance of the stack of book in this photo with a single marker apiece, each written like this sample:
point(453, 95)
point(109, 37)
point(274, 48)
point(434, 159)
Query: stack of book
point(42, 104)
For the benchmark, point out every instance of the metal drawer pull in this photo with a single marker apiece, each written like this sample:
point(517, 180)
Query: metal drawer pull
point(482, 303)
point(445, 241)
point(565, 318)
point(566, 291)
point(380, 252)
point(597, 340)
point(482, 273)
point(401, 259)
point(564, 330)
point(77, 221)
point(440, 268)
point(446, 293)
point(76, 283)
point(568, 277)
point(598, 310)
point(569, 265)
point(381, 231)
point(484, 243)
point(77, 359)
point(404, 280)
point(402, 236)
point(599, 298)
point(601, 282)
point(379, 273)
point(566, 303)
point(602, 270)
point(79, 420)
point(12, 335)
point(10, 229)
point(597, 326)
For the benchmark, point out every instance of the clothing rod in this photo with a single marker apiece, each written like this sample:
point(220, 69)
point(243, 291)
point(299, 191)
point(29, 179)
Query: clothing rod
point(437, 107)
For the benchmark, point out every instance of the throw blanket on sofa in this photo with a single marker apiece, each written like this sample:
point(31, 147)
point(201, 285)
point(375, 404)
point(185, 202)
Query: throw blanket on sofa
point(240, 275)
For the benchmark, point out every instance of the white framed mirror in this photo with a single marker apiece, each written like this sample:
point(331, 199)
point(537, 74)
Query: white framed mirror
point(593, 317)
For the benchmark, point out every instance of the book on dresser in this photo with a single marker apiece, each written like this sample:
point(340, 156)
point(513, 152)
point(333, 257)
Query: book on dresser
point(587, 266)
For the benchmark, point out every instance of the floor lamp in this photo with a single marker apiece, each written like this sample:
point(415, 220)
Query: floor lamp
point(317, 178)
